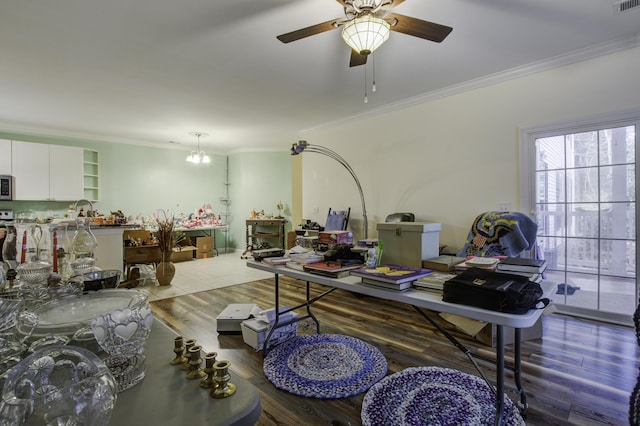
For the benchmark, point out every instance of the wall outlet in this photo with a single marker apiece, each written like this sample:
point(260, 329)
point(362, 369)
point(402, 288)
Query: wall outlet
point(316, 209)
point(504, 206)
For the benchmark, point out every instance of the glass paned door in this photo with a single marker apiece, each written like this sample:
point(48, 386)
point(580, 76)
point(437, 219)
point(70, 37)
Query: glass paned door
point(585, 206)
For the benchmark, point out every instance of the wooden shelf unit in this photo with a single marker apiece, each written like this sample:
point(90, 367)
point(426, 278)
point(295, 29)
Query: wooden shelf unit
point(265, 230)
point(91, 175)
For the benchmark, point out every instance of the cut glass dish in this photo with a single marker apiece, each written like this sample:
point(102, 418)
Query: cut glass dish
point(67, 315)
point(58, 385)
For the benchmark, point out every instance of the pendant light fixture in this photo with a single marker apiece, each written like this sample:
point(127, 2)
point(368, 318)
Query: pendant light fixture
point(197, 157)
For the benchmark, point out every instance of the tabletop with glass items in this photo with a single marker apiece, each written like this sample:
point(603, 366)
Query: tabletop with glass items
point(67, 351)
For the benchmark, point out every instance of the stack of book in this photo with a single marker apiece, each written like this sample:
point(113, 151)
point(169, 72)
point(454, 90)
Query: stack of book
point(433, 283)
point(532, 268)
point(443, 263)
point(298, 260)
point(392, 277)
point(478, 262)
point(276, 261)
point(331, 269)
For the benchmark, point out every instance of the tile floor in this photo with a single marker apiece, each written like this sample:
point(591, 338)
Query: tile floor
point(203, 274)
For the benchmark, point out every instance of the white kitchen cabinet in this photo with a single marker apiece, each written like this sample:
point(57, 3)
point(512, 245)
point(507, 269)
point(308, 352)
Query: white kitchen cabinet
point(30, 165)
point(65, 173)
point(46, 172)
point(5, 157)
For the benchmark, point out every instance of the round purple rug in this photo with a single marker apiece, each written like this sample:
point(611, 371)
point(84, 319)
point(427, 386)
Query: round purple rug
point(433, 396)
point(325, 366)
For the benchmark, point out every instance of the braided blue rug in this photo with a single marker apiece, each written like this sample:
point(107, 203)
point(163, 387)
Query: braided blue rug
point(420, 396)
point(325, 366)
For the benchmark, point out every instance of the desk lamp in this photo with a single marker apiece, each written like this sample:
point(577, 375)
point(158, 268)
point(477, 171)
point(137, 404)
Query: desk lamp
point(300, 146)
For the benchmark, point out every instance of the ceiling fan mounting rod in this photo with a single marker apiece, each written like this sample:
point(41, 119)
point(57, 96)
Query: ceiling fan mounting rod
point(370, 6)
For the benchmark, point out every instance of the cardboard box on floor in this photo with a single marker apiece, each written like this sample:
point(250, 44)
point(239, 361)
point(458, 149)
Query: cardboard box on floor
point(182, 253)
point(486, 333)
point(204, 247)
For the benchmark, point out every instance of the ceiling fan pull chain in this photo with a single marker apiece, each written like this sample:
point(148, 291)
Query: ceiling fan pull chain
point(373, 64)
point(366, 100)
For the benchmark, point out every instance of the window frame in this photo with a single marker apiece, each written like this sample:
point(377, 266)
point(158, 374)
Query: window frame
point(527, 201)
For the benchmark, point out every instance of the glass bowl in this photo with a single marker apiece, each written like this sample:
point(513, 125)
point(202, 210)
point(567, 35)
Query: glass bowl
point(122, 335)
point(58, 385)
point(34, 272)
point(83, 265)
point(98, 280)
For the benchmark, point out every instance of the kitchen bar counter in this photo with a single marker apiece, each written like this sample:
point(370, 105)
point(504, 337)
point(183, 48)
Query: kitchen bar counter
point(109, 253)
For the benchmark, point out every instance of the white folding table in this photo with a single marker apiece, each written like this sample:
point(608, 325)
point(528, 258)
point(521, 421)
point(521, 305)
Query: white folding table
point(420, 300)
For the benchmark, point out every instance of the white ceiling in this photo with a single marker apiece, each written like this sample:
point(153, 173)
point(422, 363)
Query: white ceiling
point(151, 71)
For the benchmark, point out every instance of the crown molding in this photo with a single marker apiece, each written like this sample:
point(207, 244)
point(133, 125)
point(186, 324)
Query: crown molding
point(580, 55)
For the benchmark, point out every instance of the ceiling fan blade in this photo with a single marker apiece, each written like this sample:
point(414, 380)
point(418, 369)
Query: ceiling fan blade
point(308, 31)
point(417, 27)
point(357, 59)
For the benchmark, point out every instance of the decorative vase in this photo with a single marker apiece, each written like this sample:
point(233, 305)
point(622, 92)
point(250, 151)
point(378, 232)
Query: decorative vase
point(166, 270)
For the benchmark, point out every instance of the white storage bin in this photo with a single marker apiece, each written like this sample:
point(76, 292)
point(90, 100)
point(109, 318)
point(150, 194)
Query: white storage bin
point(229, 320)
point(409, 243)
point(255, 330)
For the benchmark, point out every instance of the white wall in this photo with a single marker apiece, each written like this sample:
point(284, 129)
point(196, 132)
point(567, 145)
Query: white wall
point(258, 181)
point(450, 159)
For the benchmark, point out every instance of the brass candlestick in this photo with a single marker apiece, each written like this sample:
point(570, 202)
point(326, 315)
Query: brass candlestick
point(195, 372)
point(223, 388)
point(209, 361)
point(188, 344)
point(178, 349)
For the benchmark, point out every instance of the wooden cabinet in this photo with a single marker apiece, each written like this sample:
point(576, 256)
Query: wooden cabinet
point(265, 233)
point(139, 254)
point(46, 172)
point(5, 157)
point(142, 255)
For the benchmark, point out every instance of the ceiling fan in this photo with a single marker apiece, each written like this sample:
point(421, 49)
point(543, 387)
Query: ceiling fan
point(367, 25)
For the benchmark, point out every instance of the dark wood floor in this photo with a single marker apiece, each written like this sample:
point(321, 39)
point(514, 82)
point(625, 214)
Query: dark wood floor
point(579, 373)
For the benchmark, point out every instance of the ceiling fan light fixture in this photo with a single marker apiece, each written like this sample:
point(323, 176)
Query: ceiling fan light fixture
point(366, 33)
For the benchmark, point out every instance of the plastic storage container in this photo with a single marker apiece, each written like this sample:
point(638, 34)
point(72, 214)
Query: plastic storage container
point(409, 243)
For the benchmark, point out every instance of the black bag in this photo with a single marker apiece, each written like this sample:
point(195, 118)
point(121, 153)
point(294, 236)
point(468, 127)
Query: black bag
point(495, 291)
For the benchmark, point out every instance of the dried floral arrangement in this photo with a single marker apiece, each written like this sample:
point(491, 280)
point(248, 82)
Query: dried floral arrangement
point(165, 235)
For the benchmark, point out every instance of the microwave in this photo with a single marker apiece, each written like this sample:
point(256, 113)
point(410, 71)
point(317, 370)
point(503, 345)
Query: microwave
point(6, 187)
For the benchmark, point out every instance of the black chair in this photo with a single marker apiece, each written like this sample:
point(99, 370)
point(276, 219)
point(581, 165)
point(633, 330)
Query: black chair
point(338, 220)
